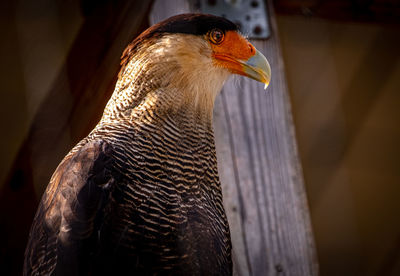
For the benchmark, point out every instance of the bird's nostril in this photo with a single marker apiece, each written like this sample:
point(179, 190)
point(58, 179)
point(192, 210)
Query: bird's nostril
point(252, 50)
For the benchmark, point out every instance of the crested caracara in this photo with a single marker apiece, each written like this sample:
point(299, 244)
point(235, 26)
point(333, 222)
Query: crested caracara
point(140, 195)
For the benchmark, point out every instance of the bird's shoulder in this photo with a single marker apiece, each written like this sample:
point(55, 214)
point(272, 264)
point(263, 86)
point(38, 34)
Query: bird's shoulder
point(69, 206)
point(89, 163)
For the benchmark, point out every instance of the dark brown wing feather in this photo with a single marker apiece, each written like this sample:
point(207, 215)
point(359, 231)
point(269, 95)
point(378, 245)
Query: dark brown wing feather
point(63, 233)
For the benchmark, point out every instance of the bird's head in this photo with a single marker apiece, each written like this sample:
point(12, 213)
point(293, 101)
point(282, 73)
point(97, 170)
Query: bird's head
point(187, 58)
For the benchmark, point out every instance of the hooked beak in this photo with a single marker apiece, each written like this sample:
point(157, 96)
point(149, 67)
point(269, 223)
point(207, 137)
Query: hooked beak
point(257, 68)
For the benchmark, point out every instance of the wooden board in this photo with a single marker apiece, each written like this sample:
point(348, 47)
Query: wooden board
point(259, 168)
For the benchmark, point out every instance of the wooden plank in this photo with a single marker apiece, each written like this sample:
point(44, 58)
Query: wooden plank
point(259, 168)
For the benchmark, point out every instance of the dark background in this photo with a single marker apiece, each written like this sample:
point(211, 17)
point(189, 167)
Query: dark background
point(59, 60)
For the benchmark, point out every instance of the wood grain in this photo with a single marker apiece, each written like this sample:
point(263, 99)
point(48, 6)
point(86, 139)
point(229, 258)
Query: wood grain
point(259, 168)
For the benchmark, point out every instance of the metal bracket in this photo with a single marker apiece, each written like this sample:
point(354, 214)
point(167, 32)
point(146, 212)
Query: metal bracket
point(250, 15)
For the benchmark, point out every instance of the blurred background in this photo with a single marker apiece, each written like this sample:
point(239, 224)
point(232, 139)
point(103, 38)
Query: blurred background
point(342, 62)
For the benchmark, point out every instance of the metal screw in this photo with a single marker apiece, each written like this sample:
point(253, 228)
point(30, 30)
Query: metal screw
point(257, 30)
point(254, 4)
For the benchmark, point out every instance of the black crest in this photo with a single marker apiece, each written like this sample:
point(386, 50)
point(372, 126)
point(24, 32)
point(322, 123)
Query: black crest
point(197, 24)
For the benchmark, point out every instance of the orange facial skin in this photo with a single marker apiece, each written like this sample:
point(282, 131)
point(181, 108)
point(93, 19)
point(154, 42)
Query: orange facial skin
point(234, 47)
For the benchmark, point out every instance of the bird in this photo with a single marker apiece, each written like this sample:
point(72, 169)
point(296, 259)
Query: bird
point(140, 194)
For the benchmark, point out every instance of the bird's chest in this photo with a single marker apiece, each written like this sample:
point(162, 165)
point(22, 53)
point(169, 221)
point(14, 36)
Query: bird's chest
point(168, 204)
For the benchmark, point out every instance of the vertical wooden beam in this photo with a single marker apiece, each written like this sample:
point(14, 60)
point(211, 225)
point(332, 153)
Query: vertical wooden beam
point(259, 168)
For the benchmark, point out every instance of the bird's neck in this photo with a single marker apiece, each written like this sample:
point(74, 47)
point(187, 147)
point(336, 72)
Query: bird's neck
point(166, 85)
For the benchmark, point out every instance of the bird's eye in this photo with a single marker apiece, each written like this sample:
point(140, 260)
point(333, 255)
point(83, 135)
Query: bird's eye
point(216, 36)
